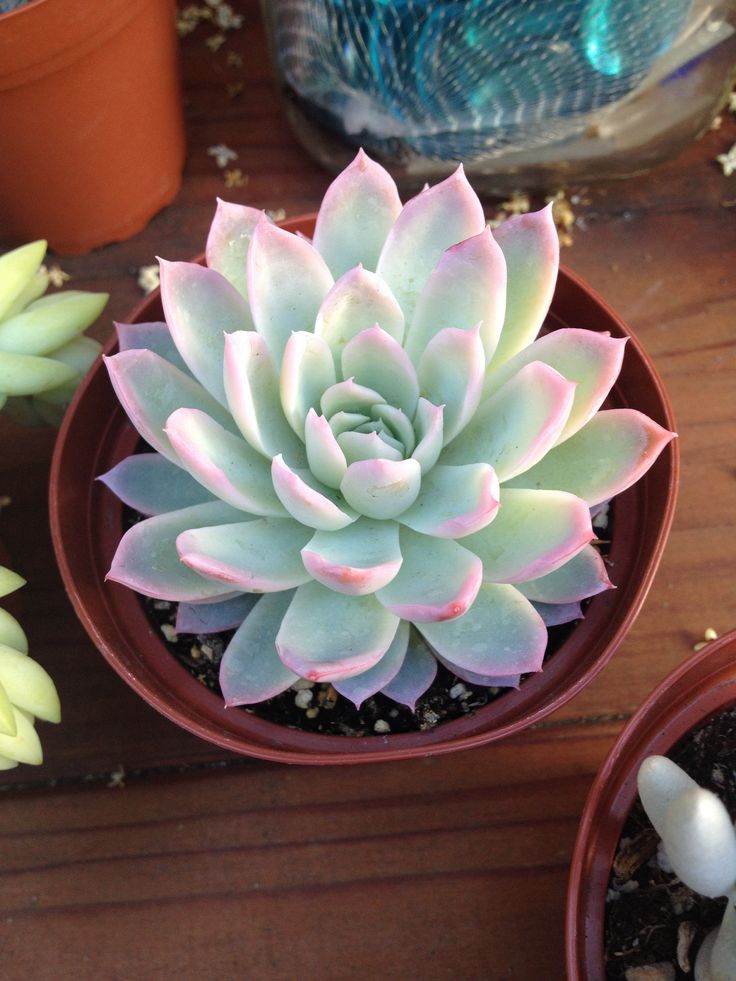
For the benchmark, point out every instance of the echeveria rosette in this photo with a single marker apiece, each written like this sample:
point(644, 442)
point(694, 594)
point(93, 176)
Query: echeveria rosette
point(363, 429)
point(43, 355)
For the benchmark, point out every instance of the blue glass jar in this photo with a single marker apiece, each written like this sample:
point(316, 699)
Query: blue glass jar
point(524, 92)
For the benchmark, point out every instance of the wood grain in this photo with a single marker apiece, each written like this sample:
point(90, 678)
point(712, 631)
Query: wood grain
point(206, 865)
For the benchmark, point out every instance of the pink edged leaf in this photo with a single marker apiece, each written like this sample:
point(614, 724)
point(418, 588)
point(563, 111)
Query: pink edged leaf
point(376, 360)
point(356, 302)
point(381, 488)
point(214, 618)
point(438, 580)
point(368, 446)
point(223, 463)
point(582, 576)
point(609, 454)
point(147, 561)
point(327, 636)
point(531, 247)
point(429, 224)
point(414, 677)
point(152, 336)
point(349, 397)
point(362, 686)
point(151, 484)
point(201, 306)
point(150, 389)
point(356, 560)
point(501, 634)
point(356, 215)
point(326, 460)
point(516, 426)
point(486, 680)
point(398, 424)
point(310, 502)
point(591, 360)
point(306, 371)
point(252, 389)
point(454, 501)
point(429, 429)
point(251, 669)
point(228, 242)
point(467, 287)
point(259, 556)
point(287, 282)
point(450, 373)
point(555, 614)
point(535, 532)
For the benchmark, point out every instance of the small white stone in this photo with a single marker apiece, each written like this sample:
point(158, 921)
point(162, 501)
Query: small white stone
point(303, 698)
point(169, 632)
point(458, 691)
point(651, 972)
point(381, 726)
point(301, 684)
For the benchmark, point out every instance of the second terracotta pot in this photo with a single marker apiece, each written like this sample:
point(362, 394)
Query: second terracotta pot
point(86, 525)
point(92, 126)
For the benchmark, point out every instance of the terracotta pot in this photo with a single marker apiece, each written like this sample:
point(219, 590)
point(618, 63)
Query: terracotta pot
point(92, 129)
point(87, 525)
point(704, 685)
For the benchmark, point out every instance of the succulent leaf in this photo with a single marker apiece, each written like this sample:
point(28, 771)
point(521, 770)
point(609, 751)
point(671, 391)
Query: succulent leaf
point(518, 425)
point(251, 670)
point(307, 501)
point(324, 455)
point(229, 240)
point(147, 561)
point(500, 634)
point(151, 484)
point(531, 248)
point(27, 374)
point(11, 633)
point(51, 322)
point(9, 581)
point(609, 454)
point(450, 373)
point(306, 371)
point(17, 272)
point(381, 489)
point(154, 337)
point(214, 618)
point(252, 389)
point(582, 576)
point(416, 674)
point(24, 746)
point(258, 556)
point(430, 223)
point(358, 300)
point(363, 686)
point(356, 560)
point(363, 196)
point(534, 533)
point(327, 635)
point(466, 288)
point(287, 281)
point(201, 306)
point(27, 685)
point(438, 579)
point(454, 501)
point(591, 360)
point(377, 361)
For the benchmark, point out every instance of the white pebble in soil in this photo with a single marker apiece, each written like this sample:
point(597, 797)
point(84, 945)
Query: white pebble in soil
point(381, 726)
point(303, 698)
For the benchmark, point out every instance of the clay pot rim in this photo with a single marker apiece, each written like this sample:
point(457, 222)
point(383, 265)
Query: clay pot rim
point(277, 743)
point(703, 685)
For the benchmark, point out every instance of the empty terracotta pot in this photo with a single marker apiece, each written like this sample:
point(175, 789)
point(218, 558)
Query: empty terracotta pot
point(92, 128)
point(86, 523)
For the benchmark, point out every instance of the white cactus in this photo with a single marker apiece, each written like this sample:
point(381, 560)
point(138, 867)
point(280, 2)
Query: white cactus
point(699, 838)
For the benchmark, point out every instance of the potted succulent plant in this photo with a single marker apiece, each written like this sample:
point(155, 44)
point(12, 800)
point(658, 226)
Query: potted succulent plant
point(685, 718)
point(27, 692)
point(363, 429)
point(43, 355)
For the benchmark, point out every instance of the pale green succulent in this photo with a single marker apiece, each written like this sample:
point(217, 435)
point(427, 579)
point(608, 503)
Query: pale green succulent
point(26, 690)
point(43, 356)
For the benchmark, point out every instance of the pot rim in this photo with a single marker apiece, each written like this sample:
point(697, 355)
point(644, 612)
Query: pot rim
point(615, 610)
point(701, 686)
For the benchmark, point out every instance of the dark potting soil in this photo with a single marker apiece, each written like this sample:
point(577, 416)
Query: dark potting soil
point(651, 916)
point(327, 712)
